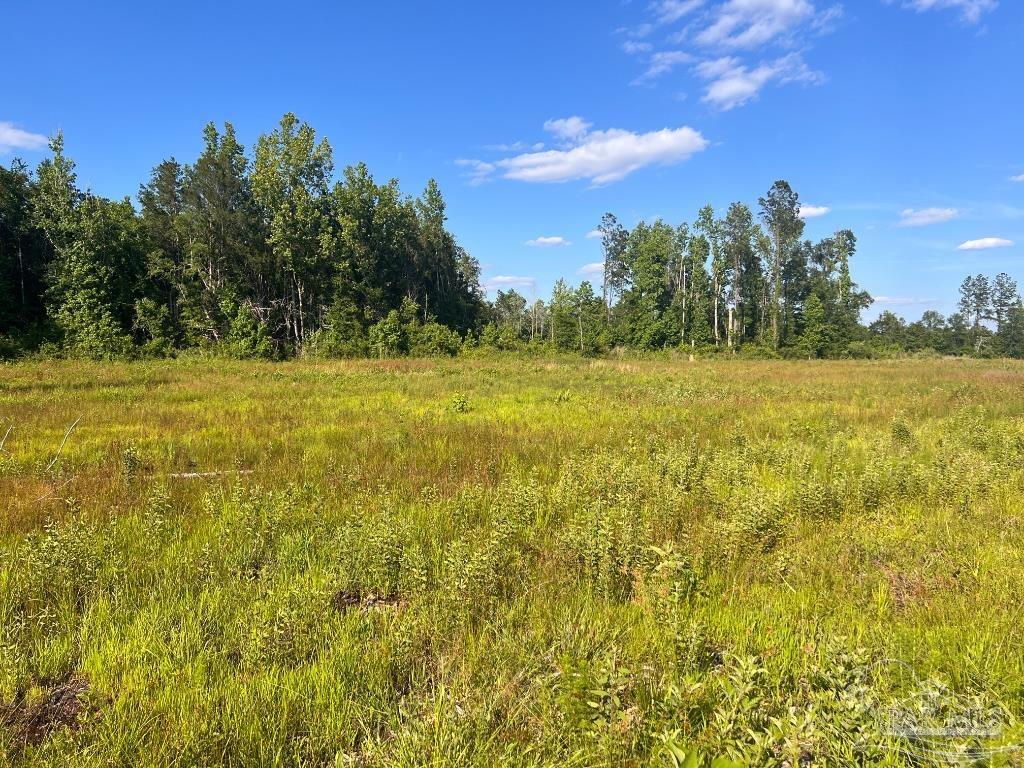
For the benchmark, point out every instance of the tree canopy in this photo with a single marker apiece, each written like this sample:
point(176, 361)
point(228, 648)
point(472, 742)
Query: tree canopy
point(275, 254)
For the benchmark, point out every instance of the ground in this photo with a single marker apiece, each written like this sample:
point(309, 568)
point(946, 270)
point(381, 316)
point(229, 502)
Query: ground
point(510, 562)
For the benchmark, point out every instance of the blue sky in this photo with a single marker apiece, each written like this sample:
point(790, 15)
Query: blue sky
point(900, 119)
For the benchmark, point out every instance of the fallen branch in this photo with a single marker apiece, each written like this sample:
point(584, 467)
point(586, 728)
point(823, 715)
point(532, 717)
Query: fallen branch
point(62, 442)
point(53, 490)
point(191, 475)
point(4, 440)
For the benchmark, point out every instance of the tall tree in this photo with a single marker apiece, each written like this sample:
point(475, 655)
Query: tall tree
point(780, 211)
point(1004, 298)
point(737, 230)
point(162, 202)
point(290, 184)
point(510, 310)
point(614, 239)
point(22, 255)
point(94, 275)
point(224, 239)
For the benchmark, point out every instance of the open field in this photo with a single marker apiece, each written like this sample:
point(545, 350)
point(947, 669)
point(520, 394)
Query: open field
point(507, 562)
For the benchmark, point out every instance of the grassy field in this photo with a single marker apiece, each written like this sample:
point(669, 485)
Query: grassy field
point(513, 562)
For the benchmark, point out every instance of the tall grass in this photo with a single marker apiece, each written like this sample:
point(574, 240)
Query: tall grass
point(504, 562)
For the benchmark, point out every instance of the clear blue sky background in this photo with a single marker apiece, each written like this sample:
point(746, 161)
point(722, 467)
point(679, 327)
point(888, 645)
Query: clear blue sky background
point(904, 118)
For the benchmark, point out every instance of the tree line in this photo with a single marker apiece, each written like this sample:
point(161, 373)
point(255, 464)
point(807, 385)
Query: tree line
point(747, 283)
point(268, 256)
point(989, 322)
point(272, 256)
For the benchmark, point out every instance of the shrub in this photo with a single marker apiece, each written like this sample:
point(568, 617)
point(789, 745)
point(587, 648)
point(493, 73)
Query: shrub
point(153, 328)
point(332, 343)
point(387, 337)
point(247, 337)
point(502, 337)
point(459, 403)
point(434, 340)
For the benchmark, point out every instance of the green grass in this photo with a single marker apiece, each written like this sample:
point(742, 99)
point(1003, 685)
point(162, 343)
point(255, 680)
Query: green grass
point(505, 562)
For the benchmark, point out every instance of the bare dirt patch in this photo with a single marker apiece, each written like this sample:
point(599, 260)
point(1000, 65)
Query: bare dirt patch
point(34, 716)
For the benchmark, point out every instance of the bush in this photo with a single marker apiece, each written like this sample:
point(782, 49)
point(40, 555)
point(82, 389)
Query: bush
point(247, 337)
point(331, 343)
point(153, 328)
point(757, 352)
point(434, 340)
point(502, 337)
point(387, 336)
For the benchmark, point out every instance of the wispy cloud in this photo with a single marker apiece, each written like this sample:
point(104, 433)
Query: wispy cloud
point(661, 63)
point(568, 129)
point(476, 172)
point(508, 281)
point(923, 217)
point(1017, 178)
point(589, 270)
point(753, 23)
point(516, 146)
point(902, 301)
point(671, 11)
point(12, 137)
point(985, 244)
point(739, 45)
point(635, 47)
point(732, 83)
point(813, 211)
point(602, 157)
point(971, 11)
point(594, 234)
point(548, 241)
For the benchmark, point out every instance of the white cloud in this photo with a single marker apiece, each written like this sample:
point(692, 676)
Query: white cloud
point(569, 129)
point(477, 171)
point(827, 21)
point(594, 234)
point(12, 137)
point(602, 157)
point(902, 301)
point(661, 63)
point(516, 146)
point(732, 83)
point(924, 217)
point(753, 23)
point(1017, 178)
point(633, 47)
point(971, 11)
point(597, 268)
point(548, 241)
point(671, 11)
point(813, 211)
point(984, 244)
point(723, 29)
point(508, 281)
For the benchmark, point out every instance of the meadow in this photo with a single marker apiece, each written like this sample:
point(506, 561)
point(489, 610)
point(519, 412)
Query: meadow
point(511, 562)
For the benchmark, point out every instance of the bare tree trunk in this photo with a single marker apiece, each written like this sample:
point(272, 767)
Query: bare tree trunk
point(776, 290)
point(715, 289)
point(21, 273)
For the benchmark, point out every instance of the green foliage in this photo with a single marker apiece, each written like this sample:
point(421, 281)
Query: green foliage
point(154, 325)
point(725, 563)
point(503, 338)
point(434, 340)
point(322, 262)
point(387, 337)
point(459, 403)
point(247, 337)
